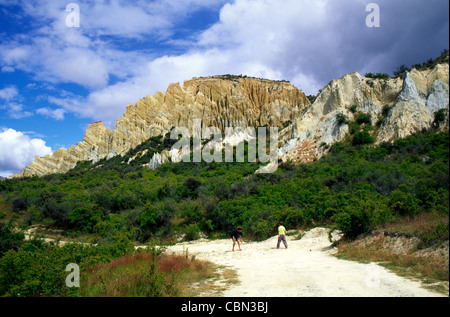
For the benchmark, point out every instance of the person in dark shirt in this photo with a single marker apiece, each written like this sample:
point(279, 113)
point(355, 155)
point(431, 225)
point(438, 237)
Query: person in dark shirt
point(236, 235)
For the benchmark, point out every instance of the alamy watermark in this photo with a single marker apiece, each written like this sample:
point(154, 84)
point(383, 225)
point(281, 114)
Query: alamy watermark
point(73, 279)
point(234, 143)
point(373, 19)
point(73, 18)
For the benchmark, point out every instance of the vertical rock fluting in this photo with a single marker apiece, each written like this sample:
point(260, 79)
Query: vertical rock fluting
point(231, 101)
point(220, 101)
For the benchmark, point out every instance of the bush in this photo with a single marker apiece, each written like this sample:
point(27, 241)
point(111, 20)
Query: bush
point(84, 218)
point(9, 240)
point(192, 232)
point(403, 203)
point(341, 118)
point(352, 222)
point(377, 75)
point(37, 268)
point(363, 118)
point(361, 138)
point(439, 117)
point(155, 219)
point(19, 204)
point(190, 187)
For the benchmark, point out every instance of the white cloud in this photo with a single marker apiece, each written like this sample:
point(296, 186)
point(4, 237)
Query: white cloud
point(9, 93)
point(8, 69)
point(12, 104)
point(57, 114)
point(16, 110)
point(18, 150)
point(306, 42)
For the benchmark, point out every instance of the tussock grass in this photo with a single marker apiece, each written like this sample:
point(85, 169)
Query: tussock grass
point(143, 275)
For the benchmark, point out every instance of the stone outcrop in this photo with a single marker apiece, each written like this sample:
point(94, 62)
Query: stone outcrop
point(220, 101)
point(96, 144)
point(306, 131)
point(414, 109)
point(412, 102)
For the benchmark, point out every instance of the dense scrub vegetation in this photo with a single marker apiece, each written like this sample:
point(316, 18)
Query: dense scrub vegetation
point(356, 187)
point(117, 203)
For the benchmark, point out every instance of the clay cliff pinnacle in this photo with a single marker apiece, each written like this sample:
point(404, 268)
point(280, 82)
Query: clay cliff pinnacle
point(219, 101)
point(397, 107)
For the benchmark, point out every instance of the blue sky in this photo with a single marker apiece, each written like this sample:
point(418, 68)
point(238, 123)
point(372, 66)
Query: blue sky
point(56, 79)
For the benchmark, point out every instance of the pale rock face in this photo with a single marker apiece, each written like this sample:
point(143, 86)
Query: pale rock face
point(234, 137)
point(218, 102)
point(157, 160)
point(249, 102)
point(409, 91)
point(317, 127)
point(438, 96)
point(413, 102)
point(424, 79)
point(415, 108)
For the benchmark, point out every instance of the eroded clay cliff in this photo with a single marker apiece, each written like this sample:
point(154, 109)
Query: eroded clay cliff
point(220, 101)
point(306, 131)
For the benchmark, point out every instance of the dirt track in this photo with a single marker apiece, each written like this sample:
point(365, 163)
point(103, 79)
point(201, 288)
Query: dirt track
point(306, 269)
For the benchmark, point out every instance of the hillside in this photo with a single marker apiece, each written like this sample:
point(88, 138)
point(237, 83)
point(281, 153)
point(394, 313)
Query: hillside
point(356, 189)
point(364, 168)
point(392, 108)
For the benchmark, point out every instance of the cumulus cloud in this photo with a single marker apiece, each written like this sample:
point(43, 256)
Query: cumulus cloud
point(322, 40)
point(9, 93)
point(306, 42)
point(57, 114)
point(18, 150)
point(10, 102)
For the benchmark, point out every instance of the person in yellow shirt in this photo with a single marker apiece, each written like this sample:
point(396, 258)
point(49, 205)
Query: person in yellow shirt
point(282, 235)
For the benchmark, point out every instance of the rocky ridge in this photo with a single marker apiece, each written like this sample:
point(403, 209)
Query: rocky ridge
point(305, 130)
point(219, 101)
point(412, 101)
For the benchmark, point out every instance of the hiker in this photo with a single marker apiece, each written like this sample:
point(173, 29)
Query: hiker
point(236, 236)
point(282, 235)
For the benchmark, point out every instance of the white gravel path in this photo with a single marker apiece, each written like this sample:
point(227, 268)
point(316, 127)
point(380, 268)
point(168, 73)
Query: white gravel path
point(306, 269)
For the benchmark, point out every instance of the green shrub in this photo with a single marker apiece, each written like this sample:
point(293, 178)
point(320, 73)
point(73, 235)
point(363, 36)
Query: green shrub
point(37, 268)
point(439, 117)
point(192, 232)
point(363, 118)
point(352, 222)
point(85, 217)
point(377, 75)
point(341, 118)
point(190, 187)
point(9, 240)
point(361, 138)
point(403, 203)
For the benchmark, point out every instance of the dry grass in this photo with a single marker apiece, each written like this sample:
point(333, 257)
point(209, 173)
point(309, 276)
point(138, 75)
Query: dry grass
point(144, 275)
point(415, 248)
point(220, 280)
